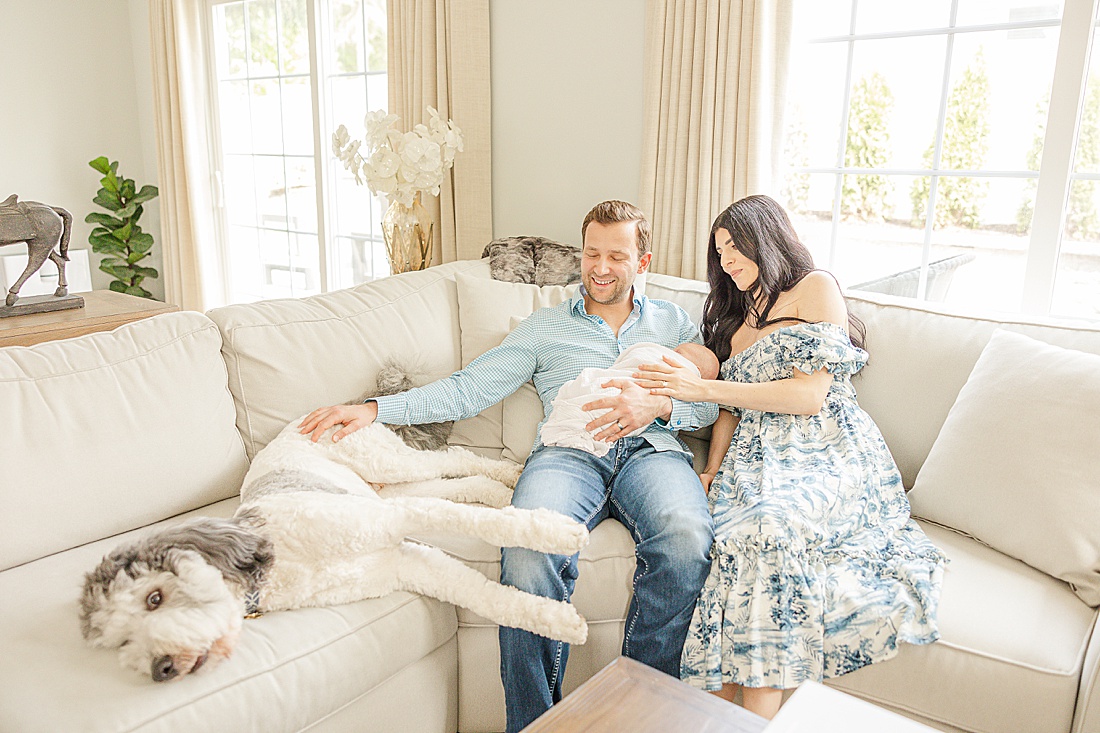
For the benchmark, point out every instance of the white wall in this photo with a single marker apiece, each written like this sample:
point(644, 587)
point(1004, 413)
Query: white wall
point(69, 81)
point(567, 111)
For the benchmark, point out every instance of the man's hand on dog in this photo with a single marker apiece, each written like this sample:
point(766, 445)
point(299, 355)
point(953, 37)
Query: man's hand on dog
point(627, 411)
point(352, 417)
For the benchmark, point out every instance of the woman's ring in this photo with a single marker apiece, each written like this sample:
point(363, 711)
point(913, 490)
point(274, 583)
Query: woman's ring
point(619, 425)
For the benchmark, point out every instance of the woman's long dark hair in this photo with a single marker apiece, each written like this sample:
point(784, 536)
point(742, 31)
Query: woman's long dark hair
point(762, 232)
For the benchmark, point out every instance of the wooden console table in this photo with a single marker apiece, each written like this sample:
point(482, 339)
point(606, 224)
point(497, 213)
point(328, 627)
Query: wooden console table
point(103, 310)
point(628, 696)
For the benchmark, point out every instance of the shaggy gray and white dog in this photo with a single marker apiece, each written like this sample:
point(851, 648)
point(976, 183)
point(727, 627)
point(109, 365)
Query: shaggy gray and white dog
point(322, 524)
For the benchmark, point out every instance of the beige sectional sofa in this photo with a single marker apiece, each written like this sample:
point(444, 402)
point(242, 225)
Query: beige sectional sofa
point(110, 433)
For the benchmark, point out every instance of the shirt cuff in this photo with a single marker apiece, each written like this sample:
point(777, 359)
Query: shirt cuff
point(680, 419)
point(392, 409)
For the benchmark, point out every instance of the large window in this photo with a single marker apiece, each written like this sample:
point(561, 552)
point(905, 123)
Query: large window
point(285, 73)
point(949, 150)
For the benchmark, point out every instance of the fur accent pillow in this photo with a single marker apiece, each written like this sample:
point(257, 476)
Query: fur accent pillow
point(1017, 462)
point(533, 260)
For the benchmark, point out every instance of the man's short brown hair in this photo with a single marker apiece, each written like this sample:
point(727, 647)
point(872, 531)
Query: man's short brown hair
point(613, 212)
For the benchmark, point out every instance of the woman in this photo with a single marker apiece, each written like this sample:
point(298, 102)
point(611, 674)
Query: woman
point(817, 568)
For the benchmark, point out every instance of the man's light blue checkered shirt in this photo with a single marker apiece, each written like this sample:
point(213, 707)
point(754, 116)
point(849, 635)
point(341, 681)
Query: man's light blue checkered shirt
point(551, 347)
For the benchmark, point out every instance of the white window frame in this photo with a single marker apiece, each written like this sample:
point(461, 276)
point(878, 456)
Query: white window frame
point(1056, 168)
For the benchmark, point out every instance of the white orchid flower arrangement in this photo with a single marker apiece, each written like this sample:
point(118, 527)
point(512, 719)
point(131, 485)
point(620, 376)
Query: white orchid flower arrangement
point(398, 164)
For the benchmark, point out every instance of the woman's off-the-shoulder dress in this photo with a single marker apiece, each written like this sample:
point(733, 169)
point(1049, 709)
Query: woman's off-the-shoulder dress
point(817, 567)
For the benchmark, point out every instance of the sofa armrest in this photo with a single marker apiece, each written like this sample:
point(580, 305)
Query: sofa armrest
point(1086, 717)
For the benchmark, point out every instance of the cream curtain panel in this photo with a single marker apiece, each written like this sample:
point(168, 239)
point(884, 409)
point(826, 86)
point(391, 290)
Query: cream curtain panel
point(715, 78)
point(192, 279)
point(439, 57)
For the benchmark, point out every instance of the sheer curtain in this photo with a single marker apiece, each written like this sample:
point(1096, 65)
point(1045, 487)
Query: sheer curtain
point(714, 94)
point(192, 277)
point(439, 56)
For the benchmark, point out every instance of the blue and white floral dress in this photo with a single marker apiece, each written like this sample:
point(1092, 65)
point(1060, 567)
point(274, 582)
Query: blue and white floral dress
point(817, 567)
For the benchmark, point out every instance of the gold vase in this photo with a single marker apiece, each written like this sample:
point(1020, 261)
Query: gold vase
point(409, 232)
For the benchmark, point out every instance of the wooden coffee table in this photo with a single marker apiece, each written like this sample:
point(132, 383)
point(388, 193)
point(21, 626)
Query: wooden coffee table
point(628, 696)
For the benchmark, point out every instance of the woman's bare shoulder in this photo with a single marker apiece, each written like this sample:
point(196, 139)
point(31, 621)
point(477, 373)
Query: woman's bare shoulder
point(817, 297)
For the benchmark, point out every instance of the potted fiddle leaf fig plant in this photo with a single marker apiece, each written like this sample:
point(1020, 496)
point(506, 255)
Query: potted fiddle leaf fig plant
point(117, 233)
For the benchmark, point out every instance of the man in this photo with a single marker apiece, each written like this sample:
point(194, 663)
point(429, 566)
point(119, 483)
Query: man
point(646, 482)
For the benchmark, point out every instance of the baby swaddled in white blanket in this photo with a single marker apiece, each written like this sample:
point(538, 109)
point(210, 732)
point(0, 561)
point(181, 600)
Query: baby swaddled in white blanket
point(566, 425)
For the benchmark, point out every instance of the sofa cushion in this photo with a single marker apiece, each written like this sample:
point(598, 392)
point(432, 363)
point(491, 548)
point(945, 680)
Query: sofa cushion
point(1012, 644)
point(142, 419)
point(486, 312)
point(287, 357)
point(1017, 462)
point(922, 354)
point(291, 670)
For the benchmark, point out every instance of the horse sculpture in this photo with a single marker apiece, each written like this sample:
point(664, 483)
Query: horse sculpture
point(42, 227)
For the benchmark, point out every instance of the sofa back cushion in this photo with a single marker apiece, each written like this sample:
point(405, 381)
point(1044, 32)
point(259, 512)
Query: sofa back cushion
point(920, 357)
point(288, 357)
point(113, 431)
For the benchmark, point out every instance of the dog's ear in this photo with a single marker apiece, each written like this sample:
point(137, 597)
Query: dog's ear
point(230, 545)
point(97, 589)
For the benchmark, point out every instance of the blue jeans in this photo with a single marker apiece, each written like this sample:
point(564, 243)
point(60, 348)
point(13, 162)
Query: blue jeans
point(657, 496)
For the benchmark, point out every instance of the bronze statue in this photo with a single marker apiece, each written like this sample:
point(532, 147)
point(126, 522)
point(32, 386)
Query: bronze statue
point(42, 227)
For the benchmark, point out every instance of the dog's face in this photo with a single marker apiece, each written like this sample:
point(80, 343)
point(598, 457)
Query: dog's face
point(166, 605)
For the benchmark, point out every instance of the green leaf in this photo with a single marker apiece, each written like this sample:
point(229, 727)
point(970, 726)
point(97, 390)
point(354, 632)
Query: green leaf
point(110, 182)
point(147, 272)
point(141, 242)
point(105, 219)
point(118, 286)
point(104, 199)
point(101, 164)
point(128, 189)
point(139, 292)
point(124, 233)
point(146, 193)
point(127, 211)
point(105, 244)
point(135, 257)
point(112, 262)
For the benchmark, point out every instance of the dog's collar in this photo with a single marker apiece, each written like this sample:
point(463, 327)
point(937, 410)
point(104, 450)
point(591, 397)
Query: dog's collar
point(252, 604)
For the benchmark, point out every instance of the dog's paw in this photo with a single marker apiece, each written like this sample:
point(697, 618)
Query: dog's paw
point(556, 533)
point(506, 472)
point(570, 626)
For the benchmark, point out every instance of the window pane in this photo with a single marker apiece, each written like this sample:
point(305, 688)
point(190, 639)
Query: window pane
point(987, 218)
point(1000, 92)
point(375, 45)
point(301, 195)
point(981, 12)
point(297, 116)
point(816, 101)
point(233, 107)
point(229, 41)
point(346, 36)
point(822, 18)
point(270, 191)
point(239, 184)
point(243, 247)
point(293, 37)
point(263, 39)
point(877, 239)
point(267, 127)
point(877, 17)
point(808, 198)
point(902, 98)
point(1077, 283)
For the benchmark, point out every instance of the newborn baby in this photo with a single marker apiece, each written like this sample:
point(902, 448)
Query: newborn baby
point(565, 426)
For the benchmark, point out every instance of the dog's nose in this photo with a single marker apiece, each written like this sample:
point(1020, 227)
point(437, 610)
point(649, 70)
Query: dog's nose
point(163, 669)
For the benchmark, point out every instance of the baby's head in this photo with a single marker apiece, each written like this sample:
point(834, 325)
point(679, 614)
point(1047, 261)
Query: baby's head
point(701, 357)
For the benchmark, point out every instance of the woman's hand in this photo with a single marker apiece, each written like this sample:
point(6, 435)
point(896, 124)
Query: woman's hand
point(352, 417)
point(706, 479)
point(672, 380)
